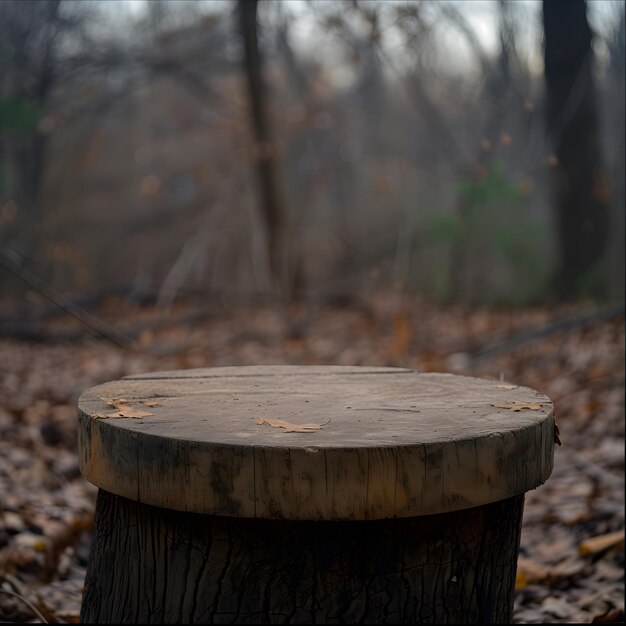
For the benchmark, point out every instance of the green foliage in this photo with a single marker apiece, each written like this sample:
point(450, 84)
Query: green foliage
point(442, 227)
point(18, 115)
point(491, 187)
point(522, 246)
point(592, 283)
point(495, 231)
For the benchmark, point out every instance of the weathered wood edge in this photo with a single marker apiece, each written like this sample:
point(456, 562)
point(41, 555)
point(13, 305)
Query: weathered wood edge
point(237, 371)
point(283, 483)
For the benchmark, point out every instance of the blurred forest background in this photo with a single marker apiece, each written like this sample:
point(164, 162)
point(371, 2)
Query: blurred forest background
point(403, 145)
point(432, 184)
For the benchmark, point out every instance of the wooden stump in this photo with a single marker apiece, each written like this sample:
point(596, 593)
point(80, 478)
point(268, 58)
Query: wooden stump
point(308, 495)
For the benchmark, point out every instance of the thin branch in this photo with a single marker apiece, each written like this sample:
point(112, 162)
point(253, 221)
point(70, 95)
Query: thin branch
point(457, 19)
point(569, 323)
point(85, 318)
point(28, 603)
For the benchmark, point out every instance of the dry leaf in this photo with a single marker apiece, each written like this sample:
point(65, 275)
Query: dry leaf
point(532, 573)
point(521, 580)
point(122, 409)
point(607, 570)
point(402, 333)
point(70, 617)
point(613, 616)
point(126, 411)
point(556, 607)
point(115, 402)
point(601, 543)
point(289, 427)
point(517, 406)
point(507, 386)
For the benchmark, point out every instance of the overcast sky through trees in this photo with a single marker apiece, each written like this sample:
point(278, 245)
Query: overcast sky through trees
point(482, 15)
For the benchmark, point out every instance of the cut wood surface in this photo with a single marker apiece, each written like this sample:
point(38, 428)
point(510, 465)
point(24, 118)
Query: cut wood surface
point(373, 443)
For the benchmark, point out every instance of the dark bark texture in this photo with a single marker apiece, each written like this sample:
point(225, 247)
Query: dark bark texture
point(580, 183)
point(266, 159)
point(151, 565)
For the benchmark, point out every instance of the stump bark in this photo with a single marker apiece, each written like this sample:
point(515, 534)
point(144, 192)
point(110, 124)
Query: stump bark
point(155, 566)
point(308, 495)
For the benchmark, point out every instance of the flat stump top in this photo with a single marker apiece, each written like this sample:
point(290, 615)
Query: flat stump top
point(314, 442)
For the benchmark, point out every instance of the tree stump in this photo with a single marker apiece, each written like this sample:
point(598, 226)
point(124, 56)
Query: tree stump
point(310, 494)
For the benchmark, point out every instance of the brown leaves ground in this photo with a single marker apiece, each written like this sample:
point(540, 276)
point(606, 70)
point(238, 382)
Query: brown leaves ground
point(46, 508)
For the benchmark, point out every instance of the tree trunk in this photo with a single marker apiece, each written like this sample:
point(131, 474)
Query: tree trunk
point(617, 159)
point(31, 33)
point(152, 565)
point(580, 186)
point(272, 198)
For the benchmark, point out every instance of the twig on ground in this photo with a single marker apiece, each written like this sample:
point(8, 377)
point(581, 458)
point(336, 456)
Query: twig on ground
point(28, 603)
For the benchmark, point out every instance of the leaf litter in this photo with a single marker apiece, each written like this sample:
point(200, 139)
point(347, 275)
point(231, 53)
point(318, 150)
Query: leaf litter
point(46, 512)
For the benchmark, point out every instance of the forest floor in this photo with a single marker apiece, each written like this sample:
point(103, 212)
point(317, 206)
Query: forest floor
point(46, 508)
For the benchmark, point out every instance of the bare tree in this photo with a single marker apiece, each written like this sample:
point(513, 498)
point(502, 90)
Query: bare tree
point(272, 200)
point(29, 41)
point(580, 189)
point(616, 101)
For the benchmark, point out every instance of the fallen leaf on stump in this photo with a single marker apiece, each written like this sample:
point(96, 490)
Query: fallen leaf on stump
point(122, 409)
point(289, 427)
point(517, 406)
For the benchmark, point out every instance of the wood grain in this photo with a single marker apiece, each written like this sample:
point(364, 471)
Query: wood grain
point(394, 442)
